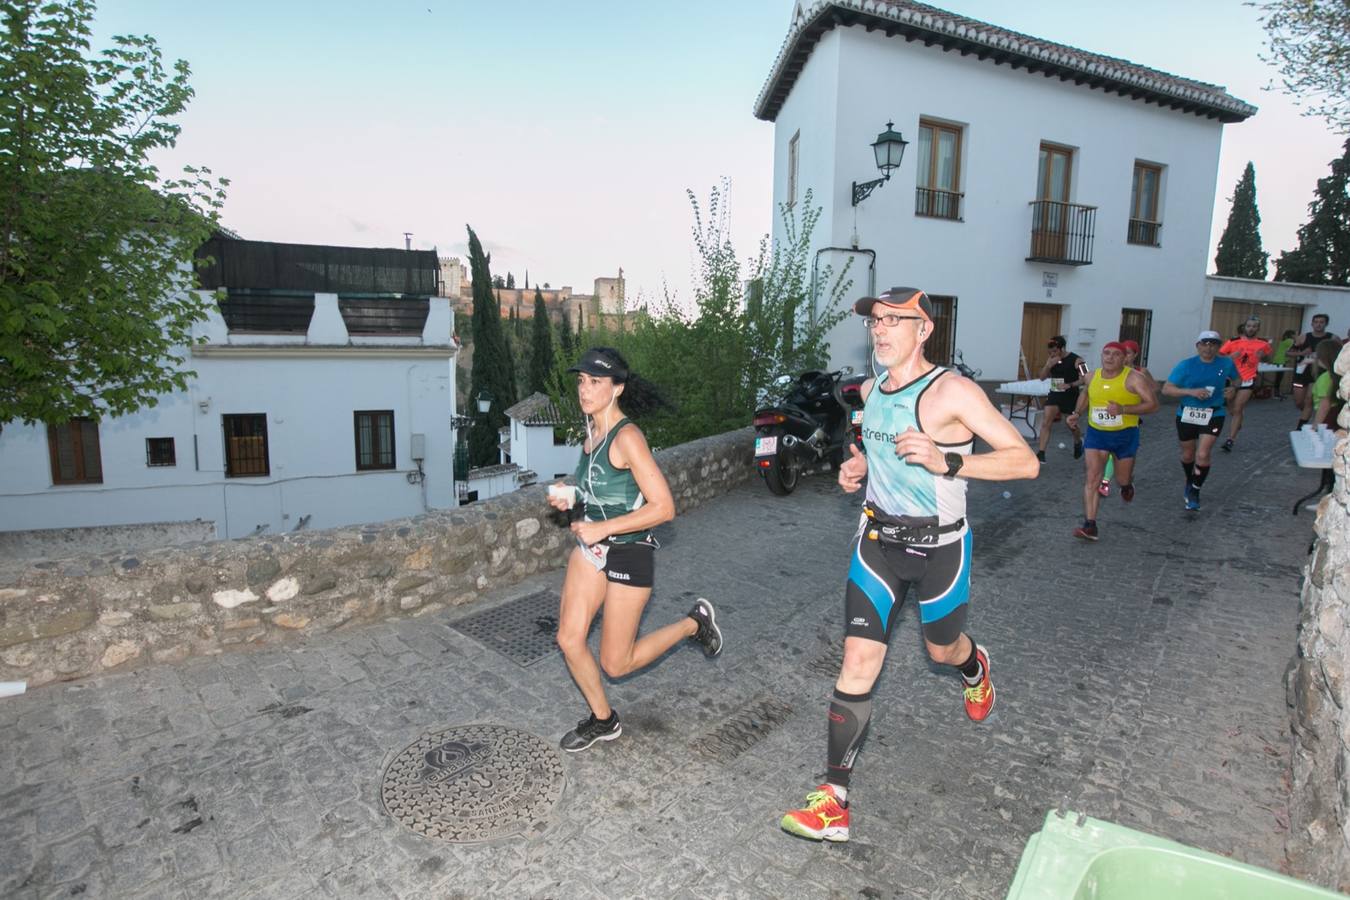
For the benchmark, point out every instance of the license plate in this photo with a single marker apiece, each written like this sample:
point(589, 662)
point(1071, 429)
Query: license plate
point(766, 446)
point(857, 417)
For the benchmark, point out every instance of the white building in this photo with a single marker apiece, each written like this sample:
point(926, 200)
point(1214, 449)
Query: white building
point(309, 409)
point(1045, 190)
point(538, 439)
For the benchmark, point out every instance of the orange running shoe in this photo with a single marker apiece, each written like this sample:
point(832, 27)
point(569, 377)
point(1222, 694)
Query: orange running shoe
point(980, 698)
point(822, 819)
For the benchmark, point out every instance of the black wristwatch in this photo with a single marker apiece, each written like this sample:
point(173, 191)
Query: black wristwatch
point(954, 463)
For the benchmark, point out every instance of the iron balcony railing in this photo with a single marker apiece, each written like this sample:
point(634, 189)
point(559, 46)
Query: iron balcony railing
point(937, 203)
point(1062, 233)
point(1144, 232)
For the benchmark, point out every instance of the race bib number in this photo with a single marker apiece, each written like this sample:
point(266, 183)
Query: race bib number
point(857, 417)
point(1196, 415)
point(596, 554)
point(1057, 384)
point(1102, 419)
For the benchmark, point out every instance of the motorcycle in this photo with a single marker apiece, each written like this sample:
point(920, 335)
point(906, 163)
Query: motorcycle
point(959, 363)
point(819, 416)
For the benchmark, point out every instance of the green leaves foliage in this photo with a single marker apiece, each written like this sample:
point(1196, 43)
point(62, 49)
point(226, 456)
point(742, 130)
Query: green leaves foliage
point(96, 249)
point(1323, 252)
point(716, 362)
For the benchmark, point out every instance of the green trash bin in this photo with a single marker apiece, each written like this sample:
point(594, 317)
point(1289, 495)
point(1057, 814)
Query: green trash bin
point(1097, 860)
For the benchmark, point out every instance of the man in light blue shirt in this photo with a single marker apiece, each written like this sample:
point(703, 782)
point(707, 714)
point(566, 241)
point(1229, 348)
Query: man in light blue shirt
point(1199, 382)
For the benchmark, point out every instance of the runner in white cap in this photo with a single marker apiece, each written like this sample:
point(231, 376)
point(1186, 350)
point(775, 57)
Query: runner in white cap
point(1199, 382)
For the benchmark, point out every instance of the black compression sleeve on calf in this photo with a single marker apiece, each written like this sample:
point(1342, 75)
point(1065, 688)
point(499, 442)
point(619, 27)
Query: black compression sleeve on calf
point(1201, 473)
point(1186, 467)
point(849, 716)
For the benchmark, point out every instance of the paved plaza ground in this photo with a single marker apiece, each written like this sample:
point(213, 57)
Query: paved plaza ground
point(1140, 680)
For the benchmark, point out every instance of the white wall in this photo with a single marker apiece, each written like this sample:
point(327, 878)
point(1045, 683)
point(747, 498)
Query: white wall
point(309, 387)
point(1316, 299)
point(854, 82)
point(532, 448)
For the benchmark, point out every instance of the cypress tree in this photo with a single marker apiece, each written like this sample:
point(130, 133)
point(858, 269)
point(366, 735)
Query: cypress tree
point(541, 350)
point(1323, 252)
point(566, 342)
point(492, 370)
point(1240, 254)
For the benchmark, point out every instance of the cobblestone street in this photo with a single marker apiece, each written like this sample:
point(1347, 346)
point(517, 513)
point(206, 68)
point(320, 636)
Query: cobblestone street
point(1140, 680)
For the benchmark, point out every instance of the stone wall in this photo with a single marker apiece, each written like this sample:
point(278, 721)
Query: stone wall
point(80, 616)
point(1319, 809)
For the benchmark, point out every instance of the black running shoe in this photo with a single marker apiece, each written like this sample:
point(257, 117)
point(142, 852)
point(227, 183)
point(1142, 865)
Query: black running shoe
point(708, 634)
point(1040, 455)
point(1227, 446)
point(589, 730)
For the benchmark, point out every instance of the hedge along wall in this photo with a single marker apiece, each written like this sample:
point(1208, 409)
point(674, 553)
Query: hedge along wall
point(81, 616)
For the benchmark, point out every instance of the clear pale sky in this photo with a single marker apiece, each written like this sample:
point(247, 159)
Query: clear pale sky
point(567, 134)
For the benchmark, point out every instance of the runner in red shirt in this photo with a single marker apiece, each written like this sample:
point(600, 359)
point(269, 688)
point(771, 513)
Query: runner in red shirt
point(1247, 351)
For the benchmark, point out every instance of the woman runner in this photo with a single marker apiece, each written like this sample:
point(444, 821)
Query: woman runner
point(624, 495)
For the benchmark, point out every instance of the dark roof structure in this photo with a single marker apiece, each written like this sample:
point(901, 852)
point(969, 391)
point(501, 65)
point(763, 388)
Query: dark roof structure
point(536, 409)
point(933, 26)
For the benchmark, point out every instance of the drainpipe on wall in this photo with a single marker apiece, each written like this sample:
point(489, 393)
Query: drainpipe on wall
point(871, 288)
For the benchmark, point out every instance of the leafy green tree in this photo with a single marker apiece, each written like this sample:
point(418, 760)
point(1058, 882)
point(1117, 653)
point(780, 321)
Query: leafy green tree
point(716, 362)
point(96, 249)
point(1310, 46)
point(1240, 254)
point(492, 368)
point(510, 281)
point(541, 346)
point(1323, 252)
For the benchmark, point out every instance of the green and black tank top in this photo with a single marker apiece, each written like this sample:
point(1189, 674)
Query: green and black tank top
point(608, 492)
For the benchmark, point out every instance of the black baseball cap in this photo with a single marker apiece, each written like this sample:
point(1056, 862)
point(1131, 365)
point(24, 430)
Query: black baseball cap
point(902, 297)
point(600, 364)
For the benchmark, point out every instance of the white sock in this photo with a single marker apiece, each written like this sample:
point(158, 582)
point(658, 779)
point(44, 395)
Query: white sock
point(840, 793)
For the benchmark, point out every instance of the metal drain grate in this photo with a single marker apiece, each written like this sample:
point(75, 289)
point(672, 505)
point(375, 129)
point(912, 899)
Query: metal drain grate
point(745, 728)
point(474, 783)
point(523, 630)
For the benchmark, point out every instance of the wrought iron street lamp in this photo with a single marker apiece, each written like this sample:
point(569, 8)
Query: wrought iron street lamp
point(889, 149)
point(484, 400)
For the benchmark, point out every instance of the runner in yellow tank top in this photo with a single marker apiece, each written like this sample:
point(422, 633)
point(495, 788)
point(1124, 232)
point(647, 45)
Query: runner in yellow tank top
point(1102, 392)
point(1116, 397)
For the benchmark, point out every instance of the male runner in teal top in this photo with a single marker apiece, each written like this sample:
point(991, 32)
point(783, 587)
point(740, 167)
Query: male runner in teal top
point(919, 425)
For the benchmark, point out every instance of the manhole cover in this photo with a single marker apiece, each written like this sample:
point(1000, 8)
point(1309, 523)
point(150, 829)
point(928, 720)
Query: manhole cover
point(522, 630)
point(473, 783)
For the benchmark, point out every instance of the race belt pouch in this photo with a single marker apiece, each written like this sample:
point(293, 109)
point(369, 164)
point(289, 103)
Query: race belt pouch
point(906, 530)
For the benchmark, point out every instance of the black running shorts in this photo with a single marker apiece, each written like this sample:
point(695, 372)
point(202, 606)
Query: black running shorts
point(880, 578)
point(1189, 431)
point(631, 564)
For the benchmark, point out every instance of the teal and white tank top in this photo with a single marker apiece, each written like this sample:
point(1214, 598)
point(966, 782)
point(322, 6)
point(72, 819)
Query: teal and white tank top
point(606, 491)
point(894, 486)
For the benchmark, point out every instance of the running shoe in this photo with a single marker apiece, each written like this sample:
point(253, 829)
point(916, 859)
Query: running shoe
point(1192, 497)
point(1127, 492)
point(590, 730)
point(1077, 449)
point(708, 634)
point(1040, 455)
point(1104, 488)
point(822, 819)
point(980, 698)
point(1227, 446)
point(1086, 532)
